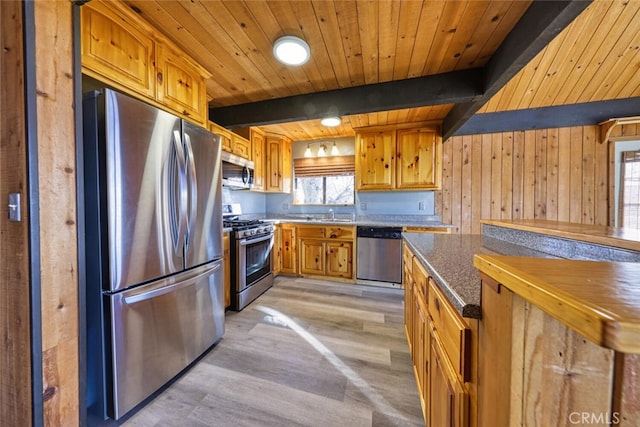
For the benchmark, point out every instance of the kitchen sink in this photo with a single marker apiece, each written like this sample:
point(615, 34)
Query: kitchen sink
point(341, 220)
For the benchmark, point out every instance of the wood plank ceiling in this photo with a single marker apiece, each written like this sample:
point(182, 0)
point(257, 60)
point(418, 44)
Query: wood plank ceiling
point(364, 42)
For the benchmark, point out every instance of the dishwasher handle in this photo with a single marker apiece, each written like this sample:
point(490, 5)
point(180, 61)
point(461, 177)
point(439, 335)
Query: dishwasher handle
point(394, 233)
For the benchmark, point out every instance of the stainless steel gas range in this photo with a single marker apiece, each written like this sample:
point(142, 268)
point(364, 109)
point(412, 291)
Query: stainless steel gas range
point(251, 258)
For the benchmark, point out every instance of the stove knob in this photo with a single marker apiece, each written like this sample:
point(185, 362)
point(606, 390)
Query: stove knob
point(253, 231)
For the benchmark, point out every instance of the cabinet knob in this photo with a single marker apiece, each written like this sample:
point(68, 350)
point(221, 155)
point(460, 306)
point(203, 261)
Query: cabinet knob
point(160, 78)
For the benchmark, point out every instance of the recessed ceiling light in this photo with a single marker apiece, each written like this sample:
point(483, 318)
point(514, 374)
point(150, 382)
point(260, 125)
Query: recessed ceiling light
point(291, 50)
point(330, 121)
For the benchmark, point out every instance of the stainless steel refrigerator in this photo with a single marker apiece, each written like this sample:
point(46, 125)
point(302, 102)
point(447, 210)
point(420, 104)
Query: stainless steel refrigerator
point(153, 214)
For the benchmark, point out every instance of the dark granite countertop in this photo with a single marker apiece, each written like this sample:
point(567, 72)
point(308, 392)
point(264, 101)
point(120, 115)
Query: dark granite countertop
point(448, 258)
point(361, 222)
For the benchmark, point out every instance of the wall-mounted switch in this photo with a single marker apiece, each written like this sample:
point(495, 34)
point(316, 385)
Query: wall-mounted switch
point(363, 206)
point(420, 206)
point(14, 206)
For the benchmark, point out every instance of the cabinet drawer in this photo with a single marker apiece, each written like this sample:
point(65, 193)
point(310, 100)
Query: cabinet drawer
point(346, 233)
point(407, 258)
point(420, 279)
point(444, 230)
point(313, 232)
point(453, 332)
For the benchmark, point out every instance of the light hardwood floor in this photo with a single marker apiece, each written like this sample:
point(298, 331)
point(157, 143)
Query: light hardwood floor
point(306, 353)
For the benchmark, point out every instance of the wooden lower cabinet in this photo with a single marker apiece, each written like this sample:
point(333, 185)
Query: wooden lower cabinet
point(288, 249)
point(339, 261)
point(312, 259)
point(327, 251)
point(443, 349)
point(448, 398)
point(326, 258)
point(226, 256)
point(277, 250)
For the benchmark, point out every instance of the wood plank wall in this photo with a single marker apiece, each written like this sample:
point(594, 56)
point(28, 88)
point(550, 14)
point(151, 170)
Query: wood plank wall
point(557, 174)
point(15, 371)
point(57, 215)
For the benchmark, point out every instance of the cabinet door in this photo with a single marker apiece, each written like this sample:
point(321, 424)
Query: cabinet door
point(418, 159)
point(226, 256)
point(289, 263)
point(339, 259)
point(277, 250)
point(225, 137)
point(407, 281)
point(448, 400)
point(287, 166)
point(274, 164)
point(312, 257)
point(257, 155)
point(420, 351)
point(241, 147)
point(180, 86)
point(116, 51)
point(376, 160)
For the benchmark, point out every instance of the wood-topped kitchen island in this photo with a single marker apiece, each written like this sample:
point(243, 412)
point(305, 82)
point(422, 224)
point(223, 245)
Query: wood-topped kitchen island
point(549, 333)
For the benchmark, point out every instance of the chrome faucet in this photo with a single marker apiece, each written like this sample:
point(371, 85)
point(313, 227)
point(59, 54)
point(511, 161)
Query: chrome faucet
point(332, 215)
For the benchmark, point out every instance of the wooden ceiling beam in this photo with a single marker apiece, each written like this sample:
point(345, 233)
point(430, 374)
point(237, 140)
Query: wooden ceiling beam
point(447, 88)
point(588, 113)
point(540, 24)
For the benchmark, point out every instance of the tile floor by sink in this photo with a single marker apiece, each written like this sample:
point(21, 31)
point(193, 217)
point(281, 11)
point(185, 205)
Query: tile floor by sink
point(306, 353)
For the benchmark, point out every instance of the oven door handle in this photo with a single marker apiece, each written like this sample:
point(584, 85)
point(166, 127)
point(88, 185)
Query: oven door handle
point(246, 242)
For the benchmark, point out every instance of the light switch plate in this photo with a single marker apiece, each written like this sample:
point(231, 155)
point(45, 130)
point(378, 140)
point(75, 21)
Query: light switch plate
point(14, 206)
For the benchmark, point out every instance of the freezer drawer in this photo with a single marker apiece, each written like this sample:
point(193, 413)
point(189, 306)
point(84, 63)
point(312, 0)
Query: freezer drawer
point(158, 329)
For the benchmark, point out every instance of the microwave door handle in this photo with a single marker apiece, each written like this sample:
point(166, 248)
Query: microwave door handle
point(193, 187)
point(144, 296)
point(246, 175)
point(182, 191)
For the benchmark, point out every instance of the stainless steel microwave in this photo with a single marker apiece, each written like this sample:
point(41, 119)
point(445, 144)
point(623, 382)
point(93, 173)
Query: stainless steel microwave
point(237, 172)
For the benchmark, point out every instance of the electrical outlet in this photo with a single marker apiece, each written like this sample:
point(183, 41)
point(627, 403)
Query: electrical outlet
point(363, 206)
point(285, 206)
point(420, 206)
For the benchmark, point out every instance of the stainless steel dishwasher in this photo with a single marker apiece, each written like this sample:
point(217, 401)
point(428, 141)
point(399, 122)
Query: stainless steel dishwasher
point(379, 256)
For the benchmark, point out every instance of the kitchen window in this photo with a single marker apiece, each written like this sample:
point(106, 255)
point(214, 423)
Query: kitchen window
point(630, 189)
point(324, 181)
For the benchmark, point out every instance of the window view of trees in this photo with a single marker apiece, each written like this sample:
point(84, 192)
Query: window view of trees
point(631, 189)
point(325, 190)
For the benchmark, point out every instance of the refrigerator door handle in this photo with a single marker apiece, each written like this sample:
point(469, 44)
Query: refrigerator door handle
point(144, 296)
point(182, 191)
point(193, 187)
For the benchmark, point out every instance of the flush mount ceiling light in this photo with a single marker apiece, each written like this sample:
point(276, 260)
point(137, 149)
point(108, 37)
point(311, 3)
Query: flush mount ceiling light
point(330, 121)
point(291, 50)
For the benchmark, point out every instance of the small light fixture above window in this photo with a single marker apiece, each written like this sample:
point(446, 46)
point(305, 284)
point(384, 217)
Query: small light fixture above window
point(291, 50)
point(331, 121)
point(307, 152)
point(322, 150)
point(334, 149)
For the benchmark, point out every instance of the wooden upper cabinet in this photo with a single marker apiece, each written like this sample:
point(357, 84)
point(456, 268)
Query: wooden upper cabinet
point(398, 158)
point(257, 155)
point(240, 146)
point(115, 50)
point(126, 52)
point(419, 159)
point(279, 165)
point(180, 86)
point(375, 160)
